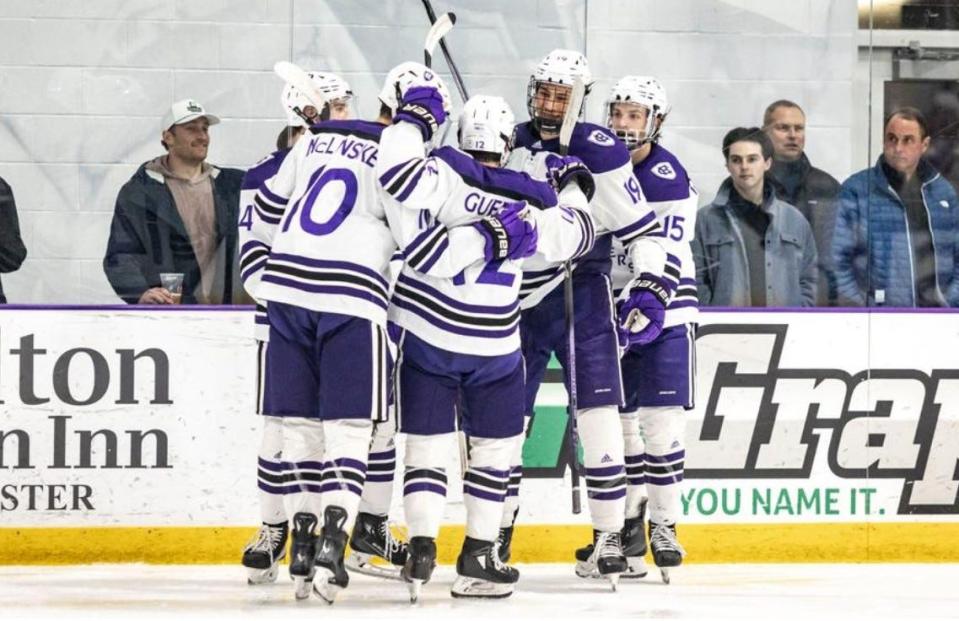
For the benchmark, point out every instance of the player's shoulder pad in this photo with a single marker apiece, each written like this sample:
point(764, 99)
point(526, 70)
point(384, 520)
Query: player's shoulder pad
point(263, 170)
point(598, 148)
point(500, 181)
point(662, 176)
point(369, 130)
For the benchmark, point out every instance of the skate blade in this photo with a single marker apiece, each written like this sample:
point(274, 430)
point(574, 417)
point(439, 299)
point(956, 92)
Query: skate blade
point(465, 586)
point(364, 564)
point(635, 568)
point(324, 589)
point(613, 580)
point(301, 587)
point(262, 576)
point(664, 574)
point(415, 586)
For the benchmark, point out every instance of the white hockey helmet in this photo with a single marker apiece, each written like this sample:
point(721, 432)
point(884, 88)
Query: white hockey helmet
point(645, 91)
point(330, 85)
point(558, 67)
point(486, 125)
point(407, 74)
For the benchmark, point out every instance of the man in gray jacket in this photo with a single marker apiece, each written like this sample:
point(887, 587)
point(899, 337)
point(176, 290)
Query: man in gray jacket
point(795, 180)
point(751, 248)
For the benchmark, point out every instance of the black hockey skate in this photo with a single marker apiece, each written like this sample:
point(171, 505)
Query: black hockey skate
point(504, 543)
point(603, 558)
point(374, 550)
point(634, 544)
point(481, 573)
point(331, 576)
point(263, 554)
point(303, 552)
point(667, 552)
point(419, 565)
point(633, 537)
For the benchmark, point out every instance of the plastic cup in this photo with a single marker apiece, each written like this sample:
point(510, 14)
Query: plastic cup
point(174, 284)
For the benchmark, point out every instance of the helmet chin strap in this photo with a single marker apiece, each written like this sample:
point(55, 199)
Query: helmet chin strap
point(548, 125)
point(324, 115)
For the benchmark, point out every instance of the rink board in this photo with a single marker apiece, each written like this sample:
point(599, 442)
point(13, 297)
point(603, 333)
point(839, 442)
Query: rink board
point(822, 436)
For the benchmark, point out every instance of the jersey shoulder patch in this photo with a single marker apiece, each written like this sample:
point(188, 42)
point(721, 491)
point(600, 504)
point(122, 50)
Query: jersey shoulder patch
point(664, 170)
point(663, 177)
point(601, 138)
point(598, 148)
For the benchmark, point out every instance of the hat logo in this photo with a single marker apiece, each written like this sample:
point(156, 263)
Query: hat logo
point(194, 107)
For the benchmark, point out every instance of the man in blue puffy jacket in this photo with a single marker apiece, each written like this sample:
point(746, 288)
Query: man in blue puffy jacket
point(895, 242)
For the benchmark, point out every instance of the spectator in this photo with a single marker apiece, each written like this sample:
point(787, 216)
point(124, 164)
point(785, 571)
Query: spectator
point(178, 214)
point(895, 241)
point(751, 248)
point(810, 190)
point(12, 250)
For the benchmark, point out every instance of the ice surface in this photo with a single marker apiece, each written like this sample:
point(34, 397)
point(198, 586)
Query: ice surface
point(771, 592)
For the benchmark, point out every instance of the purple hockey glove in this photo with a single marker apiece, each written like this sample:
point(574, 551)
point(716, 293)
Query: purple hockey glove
point(561, 169)
point(422, 106)
point(508, 234)
point(642, 313)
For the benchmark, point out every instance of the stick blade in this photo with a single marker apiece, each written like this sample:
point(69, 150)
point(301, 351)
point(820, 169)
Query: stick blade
point(437, 31)
point(293, 74)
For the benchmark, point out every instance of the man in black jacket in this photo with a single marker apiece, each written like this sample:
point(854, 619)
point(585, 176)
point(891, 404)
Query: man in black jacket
point(795, 181)
point(12, 250)
point(178, 214)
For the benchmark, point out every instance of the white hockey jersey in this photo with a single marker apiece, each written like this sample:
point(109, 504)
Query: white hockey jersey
point(456, 301)
point(323, 222)
point(253, 251)
point(671, 195)
point(618, 207)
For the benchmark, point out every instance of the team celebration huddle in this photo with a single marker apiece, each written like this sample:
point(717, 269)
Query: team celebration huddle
point(412, 294)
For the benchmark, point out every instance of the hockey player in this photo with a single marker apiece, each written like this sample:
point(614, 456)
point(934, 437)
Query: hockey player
point(328, 299)
point(326, 364)
point(460, 334)
point(371, 538)
point(658, 376)
point(620, 211)
point(268, 547)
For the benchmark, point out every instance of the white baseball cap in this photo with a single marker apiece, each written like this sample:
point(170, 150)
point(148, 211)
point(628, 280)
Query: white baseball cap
point(184, 111)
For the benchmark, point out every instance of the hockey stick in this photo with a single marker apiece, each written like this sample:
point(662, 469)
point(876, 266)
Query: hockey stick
point(437, 31)
point(565, 135)
point(292, 74)
point(460, 86)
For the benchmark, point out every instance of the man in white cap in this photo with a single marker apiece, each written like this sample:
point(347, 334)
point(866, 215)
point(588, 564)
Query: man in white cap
point(177, 215)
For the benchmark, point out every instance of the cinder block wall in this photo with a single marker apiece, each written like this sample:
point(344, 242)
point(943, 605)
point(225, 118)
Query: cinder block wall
point(83, 84)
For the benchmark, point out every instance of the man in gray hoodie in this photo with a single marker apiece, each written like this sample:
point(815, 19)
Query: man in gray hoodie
point(178, 214)
point(751, 248)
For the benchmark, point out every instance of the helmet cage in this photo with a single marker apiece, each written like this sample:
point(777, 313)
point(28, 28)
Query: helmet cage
point(647, 93)
point(558, 68)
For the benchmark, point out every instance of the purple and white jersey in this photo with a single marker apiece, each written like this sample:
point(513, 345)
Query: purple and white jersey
point(618, 207)
point(253, 251)
point(322, 219)
point(455, 300)
point(674, 199)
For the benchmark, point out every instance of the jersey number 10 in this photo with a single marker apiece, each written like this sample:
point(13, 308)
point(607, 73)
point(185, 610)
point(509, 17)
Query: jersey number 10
point(310, 200)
